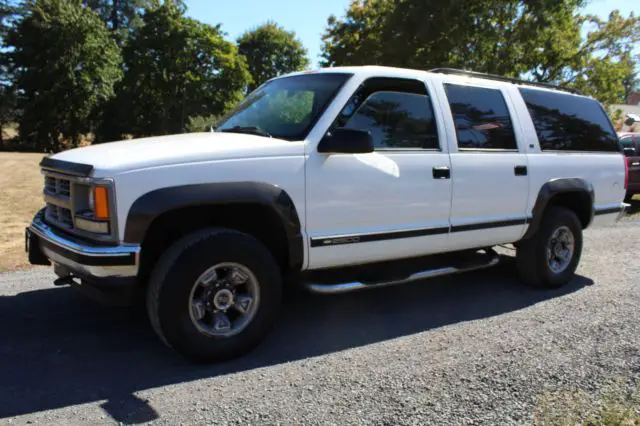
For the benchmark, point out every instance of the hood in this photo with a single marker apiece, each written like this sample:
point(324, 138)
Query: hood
point(116, 157)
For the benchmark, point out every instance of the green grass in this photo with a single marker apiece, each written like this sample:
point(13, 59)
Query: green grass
point(617, 404)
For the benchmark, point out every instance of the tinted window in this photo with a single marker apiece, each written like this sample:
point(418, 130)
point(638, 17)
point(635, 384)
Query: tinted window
point(481, 117)
point(569, 123)
point(397, 120)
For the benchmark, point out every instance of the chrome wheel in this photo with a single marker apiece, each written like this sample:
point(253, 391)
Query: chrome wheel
point(560, 249)
point(224, 300)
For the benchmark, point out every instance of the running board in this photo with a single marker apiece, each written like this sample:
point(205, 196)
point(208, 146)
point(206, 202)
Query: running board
point(491, 258)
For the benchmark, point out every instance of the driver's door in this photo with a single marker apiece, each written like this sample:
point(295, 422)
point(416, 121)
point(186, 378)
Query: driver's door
point(389, 204)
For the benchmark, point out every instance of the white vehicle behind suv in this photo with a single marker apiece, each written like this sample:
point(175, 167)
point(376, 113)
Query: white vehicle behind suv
point(336, 180)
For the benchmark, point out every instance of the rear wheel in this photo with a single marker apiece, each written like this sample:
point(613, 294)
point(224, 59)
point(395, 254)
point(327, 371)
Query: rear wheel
point(214, 294)
point(550, 258)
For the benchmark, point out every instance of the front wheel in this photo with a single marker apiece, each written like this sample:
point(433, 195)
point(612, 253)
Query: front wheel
point(550, 258)
point(214, 294)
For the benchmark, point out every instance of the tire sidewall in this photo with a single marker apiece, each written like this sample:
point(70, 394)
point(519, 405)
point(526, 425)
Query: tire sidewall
point(188, 265)
point(558, 217)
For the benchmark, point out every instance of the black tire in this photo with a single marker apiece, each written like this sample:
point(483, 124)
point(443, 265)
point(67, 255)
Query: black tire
point(531, 255)
point(177, 271)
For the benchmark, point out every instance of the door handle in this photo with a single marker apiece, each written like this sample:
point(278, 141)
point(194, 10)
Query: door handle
point(520, 170)
point(441, 172)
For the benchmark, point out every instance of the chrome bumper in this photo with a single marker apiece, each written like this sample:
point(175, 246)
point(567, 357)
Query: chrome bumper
point(80, 258)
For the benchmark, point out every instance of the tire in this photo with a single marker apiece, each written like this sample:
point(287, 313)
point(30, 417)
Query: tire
point(174, 279)
point(531, 256)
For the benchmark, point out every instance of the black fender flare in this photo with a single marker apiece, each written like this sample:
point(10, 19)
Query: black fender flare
point(552, 188)
point(151, 205)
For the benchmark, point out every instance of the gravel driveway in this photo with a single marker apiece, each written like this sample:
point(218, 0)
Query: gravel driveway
point(477, 348)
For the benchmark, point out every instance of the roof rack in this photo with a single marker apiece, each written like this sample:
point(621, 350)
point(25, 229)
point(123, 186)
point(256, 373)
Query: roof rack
point(455, 71)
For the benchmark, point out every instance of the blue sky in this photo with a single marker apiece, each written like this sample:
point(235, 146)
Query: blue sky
point(308, 18)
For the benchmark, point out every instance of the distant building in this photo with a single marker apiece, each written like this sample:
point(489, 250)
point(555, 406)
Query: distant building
point(634, 99)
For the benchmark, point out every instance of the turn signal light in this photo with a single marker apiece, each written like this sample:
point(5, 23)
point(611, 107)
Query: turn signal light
point(101, 202)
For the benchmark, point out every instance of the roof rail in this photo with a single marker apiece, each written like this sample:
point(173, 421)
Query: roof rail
point(455, 71)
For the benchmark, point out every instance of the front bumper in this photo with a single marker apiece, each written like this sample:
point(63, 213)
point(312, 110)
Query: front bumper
point(110, 268)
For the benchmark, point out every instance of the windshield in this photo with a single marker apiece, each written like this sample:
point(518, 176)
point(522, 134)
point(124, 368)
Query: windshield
point(285, 108)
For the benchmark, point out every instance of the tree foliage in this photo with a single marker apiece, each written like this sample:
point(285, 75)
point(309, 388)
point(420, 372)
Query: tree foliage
point(8, 12)
point(271, 51)
point(539, 40)
point(176, 67)
point(65, 66)
point(120, 16)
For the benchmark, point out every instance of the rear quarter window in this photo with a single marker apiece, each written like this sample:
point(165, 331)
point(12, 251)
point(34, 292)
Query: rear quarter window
point(566, 122)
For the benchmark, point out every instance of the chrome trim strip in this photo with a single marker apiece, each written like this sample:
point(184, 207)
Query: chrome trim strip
point(58, 200)
point(72, 178)
point(353, 286)
point(44, 231)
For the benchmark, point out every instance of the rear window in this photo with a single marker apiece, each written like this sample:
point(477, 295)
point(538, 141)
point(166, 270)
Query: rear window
point(569, 123)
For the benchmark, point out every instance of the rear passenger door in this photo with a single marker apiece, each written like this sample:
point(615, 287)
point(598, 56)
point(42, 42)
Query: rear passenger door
point(489, 171)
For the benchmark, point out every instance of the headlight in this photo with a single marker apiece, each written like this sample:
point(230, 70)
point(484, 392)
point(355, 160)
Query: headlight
point(94, 226)
point(96, 219)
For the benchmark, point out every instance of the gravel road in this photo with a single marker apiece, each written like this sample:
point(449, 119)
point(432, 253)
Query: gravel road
point(477, 348)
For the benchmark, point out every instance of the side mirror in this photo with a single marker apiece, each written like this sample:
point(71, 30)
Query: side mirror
point(346, 141)
point(628, 152)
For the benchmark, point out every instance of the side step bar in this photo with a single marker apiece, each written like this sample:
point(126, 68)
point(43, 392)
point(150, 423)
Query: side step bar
point(490, 259)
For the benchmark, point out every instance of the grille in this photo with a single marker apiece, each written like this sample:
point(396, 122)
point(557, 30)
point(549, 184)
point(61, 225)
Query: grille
point(57, 186)
point(58, 215)
point(59, 191)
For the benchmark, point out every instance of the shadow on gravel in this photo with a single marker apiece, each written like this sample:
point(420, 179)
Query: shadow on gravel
point(58, 349)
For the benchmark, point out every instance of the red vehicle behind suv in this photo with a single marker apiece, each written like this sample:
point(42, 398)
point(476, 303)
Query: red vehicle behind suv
point(630, 145)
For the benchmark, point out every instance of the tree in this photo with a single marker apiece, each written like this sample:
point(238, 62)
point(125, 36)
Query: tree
point(176, 68)
point(538, 40)
point(121, 16)
point(270, 52)
point(65, 66)
point(9, 10)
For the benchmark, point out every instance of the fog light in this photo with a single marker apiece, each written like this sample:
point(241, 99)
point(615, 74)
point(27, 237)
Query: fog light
point(96, 227)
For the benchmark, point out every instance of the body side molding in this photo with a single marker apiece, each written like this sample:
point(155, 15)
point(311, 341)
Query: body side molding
point(553, 188)
point(152, 204)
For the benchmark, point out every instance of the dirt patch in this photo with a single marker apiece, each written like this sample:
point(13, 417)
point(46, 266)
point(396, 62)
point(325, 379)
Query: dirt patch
point(20, 198)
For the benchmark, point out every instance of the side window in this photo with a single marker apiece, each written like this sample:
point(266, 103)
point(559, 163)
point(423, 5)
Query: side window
point(567, 122)
point(398, 112)
point(397, 120)
point(481, 117)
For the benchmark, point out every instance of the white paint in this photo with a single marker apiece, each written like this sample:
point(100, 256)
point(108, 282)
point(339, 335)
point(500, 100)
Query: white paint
point(385, 191)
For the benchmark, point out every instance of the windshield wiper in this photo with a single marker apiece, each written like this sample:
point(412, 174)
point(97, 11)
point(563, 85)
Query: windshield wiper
point(252, 130)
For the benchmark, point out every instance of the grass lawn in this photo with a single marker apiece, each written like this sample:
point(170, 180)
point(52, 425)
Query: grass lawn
point(20, 198)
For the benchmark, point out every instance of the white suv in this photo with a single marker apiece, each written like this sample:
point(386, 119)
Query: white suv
point(335, 180)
